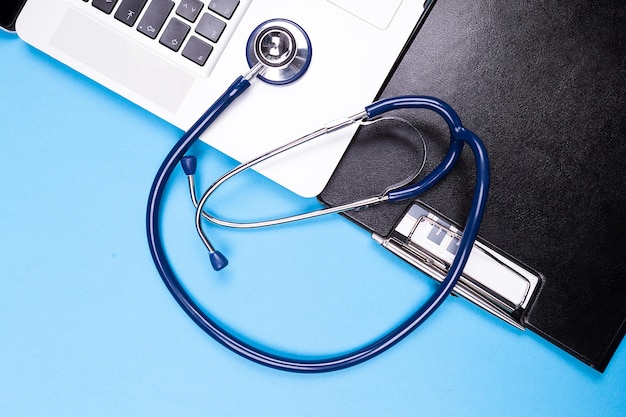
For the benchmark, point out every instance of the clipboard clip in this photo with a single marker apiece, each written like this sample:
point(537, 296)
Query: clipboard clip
point(491, 279)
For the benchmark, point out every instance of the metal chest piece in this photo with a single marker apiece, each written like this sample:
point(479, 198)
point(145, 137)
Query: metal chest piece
point(283, 48)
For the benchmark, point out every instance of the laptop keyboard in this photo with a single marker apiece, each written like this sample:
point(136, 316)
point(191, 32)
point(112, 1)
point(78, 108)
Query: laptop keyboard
point(193, 29)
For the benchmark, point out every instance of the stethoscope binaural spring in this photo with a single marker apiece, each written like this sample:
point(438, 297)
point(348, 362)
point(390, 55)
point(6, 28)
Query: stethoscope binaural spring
point(279, 52)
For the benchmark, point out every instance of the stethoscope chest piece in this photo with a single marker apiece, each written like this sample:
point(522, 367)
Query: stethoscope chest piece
point(282, 47)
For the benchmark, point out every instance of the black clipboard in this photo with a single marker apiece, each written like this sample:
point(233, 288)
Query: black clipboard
point(543, 84)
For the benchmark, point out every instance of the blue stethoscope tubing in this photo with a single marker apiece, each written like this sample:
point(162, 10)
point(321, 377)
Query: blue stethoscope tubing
point(459, 136)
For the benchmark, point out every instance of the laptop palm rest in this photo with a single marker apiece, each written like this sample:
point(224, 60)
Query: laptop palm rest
point(127, 64)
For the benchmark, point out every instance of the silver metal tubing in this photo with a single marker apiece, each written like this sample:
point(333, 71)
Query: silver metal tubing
point(200, 213)
point(257, 69)
point(297, 217)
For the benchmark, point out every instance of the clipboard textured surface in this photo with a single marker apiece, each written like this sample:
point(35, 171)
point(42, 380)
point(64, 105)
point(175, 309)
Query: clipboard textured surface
point(543, 84)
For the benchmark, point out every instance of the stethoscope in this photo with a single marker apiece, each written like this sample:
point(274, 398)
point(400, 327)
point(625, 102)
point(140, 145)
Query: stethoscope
point(279, 52)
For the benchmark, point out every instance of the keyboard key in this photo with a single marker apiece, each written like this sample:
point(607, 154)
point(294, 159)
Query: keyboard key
point(155, 17)
point(197, 50)
point(174, 34)
point(129, 10)
point(210, 27)
point(189, 9)
point(105, 5)
point(224, 8)
point(189, 27)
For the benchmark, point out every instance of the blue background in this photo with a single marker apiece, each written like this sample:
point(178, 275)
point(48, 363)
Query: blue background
point(88, 328)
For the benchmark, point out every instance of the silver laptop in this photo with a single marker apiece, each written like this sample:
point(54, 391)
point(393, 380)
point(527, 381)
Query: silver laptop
point(128, 46)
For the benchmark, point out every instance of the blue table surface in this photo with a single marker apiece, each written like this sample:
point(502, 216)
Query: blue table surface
point(87, 327)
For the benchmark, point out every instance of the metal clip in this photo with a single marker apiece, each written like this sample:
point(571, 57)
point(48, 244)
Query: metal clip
point(491, 279)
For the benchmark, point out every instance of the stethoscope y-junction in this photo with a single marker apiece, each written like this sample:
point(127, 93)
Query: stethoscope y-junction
point(279, 52)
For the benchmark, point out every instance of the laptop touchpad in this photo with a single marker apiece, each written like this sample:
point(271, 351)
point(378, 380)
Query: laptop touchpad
point(122, 61)
point(378, 13)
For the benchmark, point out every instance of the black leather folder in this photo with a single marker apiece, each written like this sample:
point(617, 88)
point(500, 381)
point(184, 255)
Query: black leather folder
point(542, 82)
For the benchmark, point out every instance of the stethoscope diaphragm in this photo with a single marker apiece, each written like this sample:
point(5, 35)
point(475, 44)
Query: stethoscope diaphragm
point(283, 49)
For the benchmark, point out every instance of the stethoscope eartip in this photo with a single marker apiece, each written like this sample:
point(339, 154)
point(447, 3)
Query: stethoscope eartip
point(218, 261)
point(189, 164)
